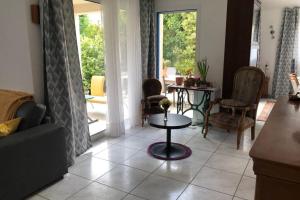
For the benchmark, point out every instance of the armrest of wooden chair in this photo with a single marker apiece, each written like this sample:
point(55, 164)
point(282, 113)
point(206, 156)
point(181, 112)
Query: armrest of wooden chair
point(230, 104)
point(236, 105)
point(212, 104)
point(155, 98)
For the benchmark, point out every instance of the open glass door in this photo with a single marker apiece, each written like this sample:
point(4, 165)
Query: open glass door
point(90, 40)
point(177, 47)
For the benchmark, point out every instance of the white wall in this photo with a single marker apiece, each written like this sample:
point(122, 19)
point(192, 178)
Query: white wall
point(271, 14)
point(21, 52)
point(20, 49)
point(211, 29)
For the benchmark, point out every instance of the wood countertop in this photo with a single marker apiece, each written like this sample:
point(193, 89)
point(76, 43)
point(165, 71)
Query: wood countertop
point(279, 140)
point(276, 154)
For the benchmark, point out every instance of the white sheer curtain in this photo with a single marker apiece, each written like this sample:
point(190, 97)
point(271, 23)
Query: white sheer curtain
point(134, 63)
point(122, 63)
point(298, 49)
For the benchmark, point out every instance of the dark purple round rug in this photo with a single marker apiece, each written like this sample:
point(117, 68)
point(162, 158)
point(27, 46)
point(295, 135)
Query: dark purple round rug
point(176, 151)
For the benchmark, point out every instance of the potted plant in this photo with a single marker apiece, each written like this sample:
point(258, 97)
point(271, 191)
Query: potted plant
point(183, 71)
point(203, 68)
point(189, 81)
point(179, 79)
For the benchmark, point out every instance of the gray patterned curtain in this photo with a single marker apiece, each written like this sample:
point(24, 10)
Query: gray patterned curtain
point(285, 52)
point(148, 32)
point(256, 37)
point(63, 82)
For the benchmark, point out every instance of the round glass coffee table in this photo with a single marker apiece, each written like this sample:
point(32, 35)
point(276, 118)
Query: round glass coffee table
point(168, 150)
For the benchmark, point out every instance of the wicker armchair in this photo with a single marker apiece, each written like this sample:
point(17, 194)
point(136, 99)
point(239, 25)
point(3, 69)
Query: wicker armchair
point(239, 112)
point(150, 102)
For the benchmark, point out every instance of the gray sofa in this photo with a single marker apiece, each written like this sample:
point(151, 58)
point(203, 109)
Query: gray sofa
point(33, 157)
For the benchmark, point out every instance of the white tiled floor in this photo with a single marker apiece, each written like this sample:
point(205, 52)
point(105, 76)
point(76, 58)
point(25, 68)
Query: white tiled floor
point(120, 168)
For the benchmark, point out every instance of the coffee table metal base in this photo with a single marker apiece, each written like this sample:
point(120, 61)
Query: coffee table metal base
point(175, 151)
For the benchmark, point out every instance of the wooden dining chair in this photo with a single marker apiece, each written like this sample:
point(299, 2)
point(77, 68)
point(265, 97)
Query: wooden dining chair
point(239, 112)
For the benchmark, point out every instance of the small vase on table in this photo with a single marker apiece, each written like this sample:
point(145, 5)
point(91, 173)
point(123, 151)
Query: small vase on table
point(166, 115)
point(165, 104)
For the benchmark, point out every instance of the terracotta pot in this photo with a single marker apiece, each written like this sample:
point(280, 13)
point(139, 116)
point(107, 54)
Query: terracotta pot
point(179, 80)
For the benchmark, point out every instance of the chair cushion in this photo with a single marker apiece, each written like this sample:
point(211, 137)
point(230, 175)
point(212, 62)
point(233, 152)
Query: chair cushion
point(155, 98)
point(232, 102)
point(154, 110)
point(228, 121)
point(98, 85)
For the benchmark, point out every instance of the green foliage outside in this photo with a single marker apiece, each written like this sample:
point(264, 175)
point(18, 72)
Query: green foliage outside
point(179, 45)
point(92, 50)
point(179, 41)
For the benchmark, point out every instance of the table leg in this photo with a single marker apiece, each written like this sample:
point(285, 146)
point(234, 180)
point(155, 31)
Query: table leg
point(207, 96)
point(194, 106)
point(168, 140)
point(182, 100)
point(168, 150)
point(179, 100)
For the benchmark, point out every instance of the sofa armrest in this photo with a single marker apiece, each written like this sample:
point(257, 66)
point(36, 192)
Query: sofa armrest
point(29, 135)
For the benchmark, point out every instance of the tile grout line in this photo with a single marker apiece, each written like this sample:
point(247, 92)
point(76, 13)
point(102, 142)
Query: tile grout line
point(240, 180)
point(95, 181)
point(239, 174)
point(190, 182)
point(72, 195)
point(118, 189)
point(92, 181)
point(151, 173)
point(134, 196)
point(223, 170)
point(204, 165)
point(80, 176)
point(118, 163)
point(42, 196)
point(211, 190)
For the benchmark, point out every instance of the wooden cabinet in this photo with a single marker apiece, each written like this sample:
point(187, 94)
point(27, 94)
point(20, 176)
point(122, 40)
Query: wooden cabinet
point(276, 154)
point(239, 39)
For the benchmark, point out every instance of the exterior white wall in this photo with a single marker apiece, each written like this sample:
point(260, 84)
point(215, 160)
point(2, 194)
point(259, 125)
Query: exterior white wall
point(20, 49)
point(271, 14)
point(211, 29)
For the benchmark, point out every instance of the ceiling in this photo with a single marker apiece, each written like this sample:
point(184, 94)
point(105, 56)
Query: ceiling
point(280, 3)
